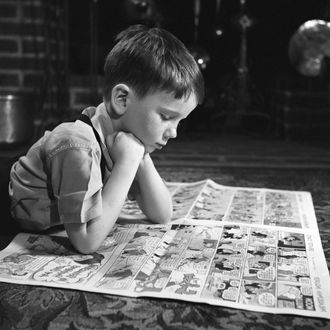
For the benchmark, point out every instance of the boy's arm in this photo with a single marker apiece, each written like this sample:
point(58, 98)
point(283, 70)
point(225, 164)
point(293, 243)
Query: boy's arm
point(152, 194)
point(127, 153)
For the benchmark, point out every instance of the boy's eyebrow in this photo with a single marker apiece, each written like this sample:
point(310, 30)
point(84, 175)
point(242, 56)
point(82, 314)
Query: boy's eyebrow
point(170, 111)
point(174, 113)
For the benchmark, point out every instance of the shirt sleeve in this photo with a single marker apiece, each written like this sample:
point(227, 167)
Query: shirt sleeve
point(77, 185)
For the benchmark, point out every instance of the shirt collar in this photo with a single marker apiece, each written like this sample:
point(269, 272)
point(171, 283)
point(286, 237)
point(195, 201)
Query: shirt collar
point(102, 122)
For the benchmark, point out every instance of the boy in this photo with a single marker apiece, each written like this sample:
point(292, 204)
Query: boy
point(79, 174)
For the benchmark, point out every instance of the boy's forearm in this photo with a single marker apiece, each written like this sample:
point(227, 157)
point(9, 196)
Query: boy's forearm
point(116, 188)
point(153, 197)
point(88, 237)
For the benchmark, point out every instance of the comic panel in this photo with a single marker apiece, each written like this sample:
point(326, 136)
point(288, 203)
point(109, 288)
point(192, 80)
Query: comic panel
point(291, 240)
point(119, 235)
point(259, 236)
point(295, 296)
point(260, 263)
point(246, 207)
point(259, 293)
point(173, 245)
point(221, 288)
point(184, 284)
point(208, 232)
point(227, 265)
point(152, 277)
point(229, 257)
point(155, 272)
point(281, 209)
point(184, 198)
point(293, 266)
point(131, 208)
point(197, 257)
point(73, 269)
point(212, 203)
point(234, 234)
point(132, 257)
point(21, 265)
point(50, 259)
point(170, 251)
point(183, 231)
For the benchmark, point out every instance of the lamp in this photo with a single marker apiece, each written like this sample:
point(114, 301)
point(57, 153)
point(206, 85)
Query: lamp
point(309, 46)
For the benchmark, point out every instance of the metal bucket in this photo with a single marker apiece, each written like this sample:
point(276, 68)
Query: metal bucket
point(16, 119)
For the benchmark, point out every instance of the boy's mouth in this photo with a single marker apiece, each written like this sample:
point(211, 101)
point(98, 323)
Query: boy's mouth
point(160, 146)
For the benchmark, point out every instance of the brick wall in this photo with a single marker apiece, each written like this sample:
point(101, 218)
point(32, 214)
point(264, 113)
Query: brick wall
point(33, 53)
point(84, 91)
point(34, 57)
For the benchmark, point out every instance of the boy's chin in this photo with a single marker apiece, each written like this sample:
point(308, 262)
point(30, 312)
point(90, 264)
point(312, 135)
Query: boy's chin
point(149, 150)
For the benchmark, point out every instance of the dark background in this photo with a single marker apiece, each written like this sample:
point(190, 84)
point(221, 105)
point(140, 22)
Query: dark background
point(275, 21)
point(269, 67)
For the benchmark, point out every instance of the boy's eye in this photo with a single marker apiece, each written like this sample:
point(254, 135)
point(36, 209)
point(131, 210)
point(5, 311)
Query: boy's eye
point(165, 117)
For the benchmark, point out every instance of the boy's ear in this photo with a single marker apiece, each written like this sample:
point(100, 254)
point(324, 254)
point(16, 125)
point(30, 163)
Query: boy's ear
point(118, 101)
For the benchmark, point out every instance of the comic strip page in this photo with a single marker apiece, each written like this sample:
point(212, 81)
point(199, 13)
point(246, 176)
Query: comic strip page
point(249, 248)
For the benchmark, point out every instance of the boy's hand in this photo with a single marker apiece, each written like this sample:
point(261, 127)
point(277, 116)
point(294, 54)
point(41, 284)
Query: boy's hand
point(125, 147)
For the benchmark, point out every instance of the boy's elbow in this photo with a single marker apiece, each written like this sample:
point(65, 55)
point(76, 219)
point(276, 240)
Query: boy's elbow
point(166, 220)
point(165, 217)
point(81, 240)
point(166, 213)
point(84, 247)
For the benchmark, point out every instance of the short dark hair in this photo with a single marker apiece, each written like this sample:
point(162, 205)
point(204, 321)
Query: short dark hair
point(150, 59)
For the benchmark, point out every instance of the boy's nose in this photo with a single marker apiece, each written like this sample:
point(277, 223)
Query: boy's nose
point(171, 133)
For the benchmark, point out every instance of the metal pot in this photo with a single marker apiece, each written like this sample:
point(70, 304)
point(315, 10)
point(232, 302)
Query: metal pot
point(16, 118)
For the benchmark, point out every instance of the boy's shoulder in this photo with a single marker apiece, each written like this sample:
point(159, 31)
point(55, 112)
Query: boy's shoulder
point(69, 135)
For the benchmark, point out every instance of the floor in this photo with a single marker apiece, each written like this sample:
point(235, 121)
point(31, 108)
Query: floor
point(244, 151)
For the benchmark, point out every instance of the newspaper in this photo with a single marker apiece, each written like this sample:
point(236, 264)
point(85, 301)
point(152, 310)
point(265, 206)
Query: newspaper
point(249, 248)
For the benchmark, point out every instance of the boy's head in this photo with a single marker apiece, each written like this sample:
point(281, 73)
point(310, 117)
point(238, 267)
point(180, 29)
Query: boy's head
point(150, 60)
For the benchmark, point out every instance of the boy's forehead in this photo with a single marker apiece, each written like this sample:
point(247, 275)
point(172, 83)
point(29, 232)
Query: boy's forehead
point(160, 100)
point(168, 99)
point(175, 105)
point(185, 102)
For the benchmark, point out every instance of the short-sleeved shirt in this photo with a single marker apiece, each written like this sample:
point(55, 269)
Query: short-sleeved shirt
point(59, 180)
